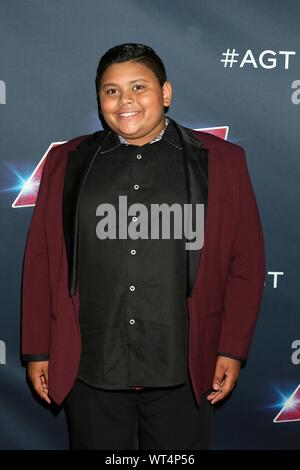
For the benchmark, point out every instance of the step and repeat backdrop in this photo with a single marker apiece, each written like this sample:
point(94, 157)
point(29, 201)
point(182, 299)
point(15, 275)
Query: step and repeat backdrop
point(235, 70)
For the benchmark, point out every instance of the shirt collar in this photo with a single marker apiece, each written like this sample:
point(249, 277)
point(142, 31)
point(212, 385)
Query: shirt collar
point(168, 134)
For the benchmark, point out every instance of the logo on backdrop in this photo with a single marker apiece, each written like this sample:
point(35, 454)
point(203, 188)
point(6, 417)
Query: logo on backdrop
point(275, 275)
point(27, 195)
point(291, 409)
point(266, 59)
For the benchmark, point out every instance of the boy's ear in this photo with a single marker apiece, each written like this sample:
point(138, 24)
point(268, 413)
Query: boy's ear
point(167, 93)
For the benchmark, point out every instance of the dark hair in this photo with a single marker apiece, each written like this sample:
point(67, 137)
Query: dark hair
point(135, 52)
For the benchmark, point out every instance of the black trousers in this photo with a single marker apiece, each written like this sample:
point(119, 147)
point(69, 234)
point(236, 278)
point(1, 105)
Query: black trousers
point(165, 418)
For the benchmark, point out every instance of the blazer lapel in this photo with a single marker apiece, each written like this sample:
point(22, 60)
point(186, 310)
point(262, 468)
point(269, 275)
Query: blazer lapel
point(196, 168)
point(78, 166)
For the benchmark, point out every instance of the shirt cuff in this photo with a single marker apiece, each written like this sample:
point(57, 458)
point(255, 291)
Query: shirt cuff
point(34, 357)
point(242, 359)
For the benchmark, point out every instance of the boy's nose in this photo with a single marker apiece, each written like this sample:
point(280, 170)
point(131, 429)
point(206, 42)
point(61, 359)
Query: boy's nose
point(126, 98)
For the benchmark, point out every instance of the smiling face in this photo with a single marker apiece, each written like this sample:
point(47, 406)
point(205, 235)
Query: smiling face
point(132, 101)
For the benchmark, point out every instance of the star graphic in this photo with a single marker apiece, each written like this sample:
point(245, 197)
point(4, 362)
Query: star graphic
point(291, 409)
point(27, 195)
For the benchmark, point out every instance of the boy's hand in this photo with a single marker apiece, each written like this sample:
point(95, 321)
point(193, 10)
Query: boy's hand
point(226, 375)
point(38, 374)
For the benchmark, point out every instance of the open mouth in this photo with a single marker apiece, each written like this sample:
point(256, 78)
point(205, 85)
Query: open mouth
point(128, 115)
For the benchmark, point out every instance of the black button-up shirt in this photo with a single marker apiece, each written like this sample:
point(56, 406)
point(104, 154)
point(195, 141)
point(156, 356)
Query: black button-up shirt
point(133, 304)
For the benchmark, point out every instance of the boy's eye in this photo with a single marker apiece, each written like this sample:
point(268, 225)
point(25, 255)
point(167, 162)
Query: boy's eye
point(114, 89)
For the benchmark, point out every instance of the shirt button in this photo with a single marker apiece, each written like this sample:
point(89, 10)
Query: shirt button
point(136, 186)
point(132, 288)
point(134, 219)
point(139, 156)
point(132, 321)
point(133, 252)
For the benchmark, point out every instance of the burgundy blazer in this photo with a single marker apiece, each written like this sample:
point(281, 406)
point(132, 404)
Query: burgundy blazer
point(225, 287)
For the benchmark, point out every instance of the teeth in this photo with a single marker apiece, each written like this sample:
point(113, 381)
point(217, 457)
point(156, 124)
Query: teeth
point(128, 114)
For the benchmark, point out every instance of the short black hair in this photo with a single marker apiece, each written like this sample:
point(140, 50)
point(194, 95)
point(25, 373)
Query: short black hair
point(135, 52)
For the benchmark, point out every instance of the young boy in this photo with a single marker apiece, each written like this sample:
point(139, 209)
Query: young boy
point(158, 332)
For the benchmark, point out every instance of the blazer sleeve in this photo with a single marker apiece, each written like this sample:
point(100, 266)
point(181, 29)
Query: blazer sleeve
point(246, 276)
point(36, 298)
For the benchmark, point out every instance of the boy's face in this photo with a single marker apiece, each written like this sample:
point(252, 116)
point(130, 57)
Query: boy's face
point(132, 87)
